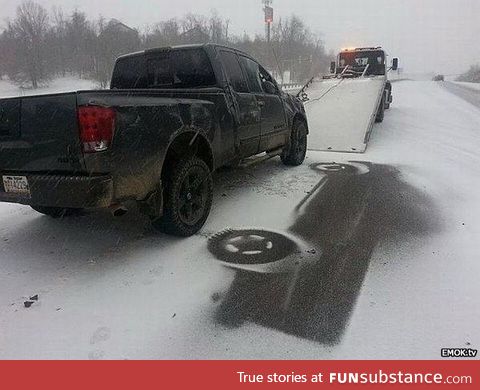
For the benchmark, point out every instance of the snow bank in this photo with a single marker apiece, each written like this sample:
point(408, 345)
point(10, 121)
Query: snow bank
point(474, 86)
point(65, 84)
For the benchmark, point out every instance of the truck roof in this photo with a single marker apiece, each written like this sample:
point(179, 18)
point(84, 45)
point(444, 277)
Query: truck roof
point(362, 49)
point(188, 46)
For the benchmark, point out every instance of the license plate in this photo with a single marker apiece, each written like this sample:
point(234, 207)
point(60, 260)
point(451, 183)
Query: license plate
point(16, 185)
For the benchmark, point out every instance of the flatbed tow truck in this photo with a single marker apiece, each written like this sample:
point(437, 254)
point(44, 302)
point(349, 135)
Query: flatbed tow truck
point(350, 100)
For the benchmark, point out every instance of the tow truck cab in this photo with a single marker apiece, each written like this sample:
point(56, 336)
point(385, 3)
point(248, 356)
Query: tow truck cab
point(367, 61)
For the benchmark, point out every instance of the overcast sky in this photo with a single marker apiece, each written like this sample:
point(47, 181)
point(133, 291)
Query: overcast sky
point(428, 35)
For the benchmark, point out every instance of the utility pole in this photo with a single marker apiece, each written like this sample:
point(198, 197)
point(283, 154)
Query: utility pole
point(268, 10)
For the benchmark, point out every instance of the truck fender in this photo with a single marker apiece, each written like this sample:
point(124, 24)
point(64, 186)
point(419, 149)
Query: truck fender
point(300, 117)
point(182, 142)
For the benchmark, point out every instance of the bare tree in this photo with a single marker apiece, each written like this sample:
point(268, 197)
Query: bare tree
point(472, 75)
point(81, 42)
point(218, 28)
point(29, 30)
point(297, 49)
point(114, 39)
point(163, 34)
point(32, 49)
point(57, 48)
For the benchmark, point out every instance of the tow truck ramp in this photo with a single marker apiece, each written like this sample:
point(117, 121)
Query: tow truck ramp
point(341, 112)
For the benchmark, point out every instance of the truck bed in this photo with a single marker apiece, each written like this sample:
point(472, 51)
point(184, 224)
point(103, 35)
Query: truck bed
point(40, 142)
point(341, 113)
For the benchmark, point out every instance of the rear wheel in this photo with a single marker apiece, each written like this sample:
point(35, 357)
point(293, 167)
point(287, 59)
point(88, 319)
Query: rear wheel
point(296, 150)
point(56, 212)
point(188, 198)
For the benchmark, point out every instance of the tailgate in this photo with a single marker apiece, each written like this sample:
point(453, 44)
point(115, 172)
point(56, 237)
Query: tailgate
point(40, 134)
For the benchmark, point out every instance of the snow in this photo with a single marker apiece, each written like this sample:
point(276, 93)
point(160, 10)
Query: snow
point(465, 91)
point(474, 86)
point(65, 84)
point(341, 112)
point(114, 289)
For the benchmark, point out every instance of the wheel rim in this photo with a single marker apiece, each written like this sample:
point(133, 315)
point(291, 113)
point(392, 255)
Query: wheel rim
point(251, 246)
point(193, 196)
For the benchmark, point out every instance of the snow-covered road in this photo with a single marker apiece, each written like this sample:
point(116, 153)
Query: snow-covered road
point(467, 91)
point(379, 258)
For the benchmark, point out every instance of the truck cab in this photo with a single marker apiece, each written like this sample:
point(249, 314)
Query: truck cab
point(371, 61)
point(365, 62)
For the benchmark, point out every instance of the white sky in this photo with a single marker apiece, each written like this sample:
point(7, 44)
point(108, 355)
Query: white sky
point(427, 35)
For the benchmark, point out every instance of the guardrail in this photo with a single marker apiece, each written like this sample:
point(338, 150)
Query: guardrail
point(292, 86)
point(296, 88)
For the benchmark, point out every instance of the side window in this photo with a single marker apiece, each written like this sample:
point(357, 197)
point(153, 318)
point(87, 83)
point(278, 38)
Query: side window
point(252, 70)
point(264, 77)
point(234, 71)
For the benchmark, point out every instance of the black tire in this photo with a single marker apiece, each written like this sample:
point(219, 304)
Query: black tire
point(56, 212)
point(294, 153)
point(381, 111)
point(389, 98)
point(188, 197)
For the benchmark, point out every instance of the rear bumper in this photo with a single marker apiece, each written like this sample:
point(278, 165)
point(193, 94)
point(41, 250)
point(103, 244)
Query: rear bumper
point(62, 191)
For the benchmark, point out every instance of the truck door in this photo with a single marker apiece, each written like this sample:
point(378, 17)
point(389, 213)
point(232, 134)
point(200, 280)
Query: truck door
point(274, 125)
point(249, 113)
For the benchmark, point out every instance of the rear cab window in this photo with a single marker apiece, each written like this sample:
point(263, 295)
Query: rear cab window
point(177, 68)
point(129, 73)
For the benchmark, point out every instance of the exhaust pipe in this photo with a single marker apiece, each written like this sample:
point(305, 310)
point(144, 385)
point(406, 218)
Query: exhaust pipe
point(118, 210)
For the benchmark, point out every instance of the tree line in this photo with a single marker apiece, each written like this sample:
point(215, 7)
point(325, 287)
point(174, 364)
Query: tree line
point(472, 75)
point(38, 45)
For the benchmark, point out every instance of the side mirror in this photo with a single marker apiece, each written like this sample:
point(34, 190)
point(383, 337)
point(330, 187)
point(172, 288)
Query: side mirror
point(303, 97)
point(333, 66)
point(269, 88)
point(395, 64)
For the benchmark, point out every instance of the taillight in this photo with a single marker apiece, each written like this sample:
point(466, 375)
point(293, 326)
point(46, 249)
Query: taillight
point(97, 126)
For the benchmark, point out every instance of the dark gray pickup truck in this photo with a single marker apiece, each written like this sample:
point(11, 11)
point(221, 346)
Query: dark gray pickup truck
point(171, 117)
